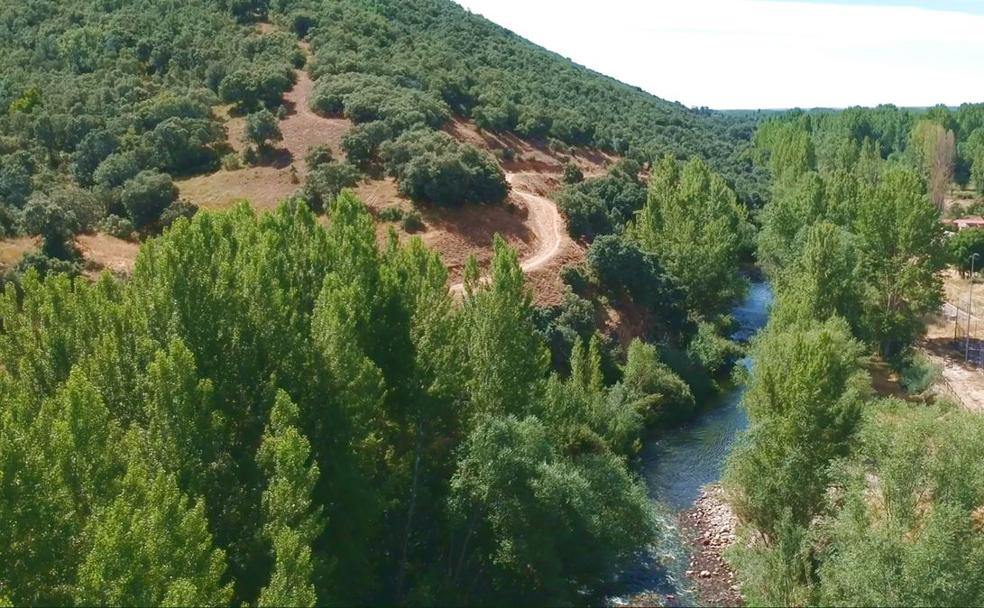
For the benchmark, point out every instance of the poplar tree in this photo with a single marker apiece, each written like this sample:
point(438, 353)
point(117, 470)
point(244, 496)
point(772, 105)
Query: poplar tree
point(292, 523)
point(151, 545)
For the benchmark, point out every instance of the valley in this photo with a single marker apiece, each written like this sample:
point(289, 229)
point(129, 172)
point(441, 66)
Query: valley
point(375, 302)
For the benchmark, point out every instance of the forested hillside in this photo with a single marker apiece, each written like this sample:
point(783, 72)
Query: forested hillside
point(399, 51)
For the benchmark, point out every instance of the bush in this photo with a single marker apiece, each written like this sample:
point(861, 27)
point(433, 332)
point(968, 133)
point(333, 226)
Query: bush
point(176, 210)
point(412, 222)
point(255, 87)
point(326, 182)
point(621, 267)
point(231, 162)
point(573, 173)
point(262, 129)
point(45, 265)
point(576, 277)
point(603, 205)
point(919, 374)
point(390, 214)
point(119, 227)
point(54, 223)
point(147, 195)
point(432, 167)
point(660, 394)
point(318, 155)
point(713, 352)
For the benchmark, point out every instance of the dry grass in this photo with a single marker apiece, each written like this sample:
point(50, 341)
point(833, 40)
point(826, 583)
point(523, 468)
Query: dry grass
point(105, 252)
point(12, 250)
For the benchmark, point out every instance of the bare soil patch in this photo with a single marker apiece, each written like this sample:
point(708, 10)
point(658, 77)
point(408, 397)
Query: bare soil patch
point(266, 185)
point(960, 381)
point(105, 252)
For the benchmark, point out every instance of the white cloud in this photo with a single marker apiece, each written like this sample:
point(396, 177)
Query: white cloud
point(762, 54)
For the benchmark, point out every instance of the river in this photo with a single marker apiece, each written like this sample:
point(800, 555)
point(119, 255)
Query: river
point(677, 463)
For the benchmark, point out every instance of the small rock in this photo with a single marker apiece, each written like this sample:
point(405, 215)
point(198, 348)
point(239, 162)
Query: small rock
point(705, 574)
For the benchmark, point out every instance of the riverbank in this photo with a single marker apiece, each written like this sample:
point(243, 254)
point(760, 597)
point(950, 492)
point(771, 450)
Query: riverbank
point(710, 528)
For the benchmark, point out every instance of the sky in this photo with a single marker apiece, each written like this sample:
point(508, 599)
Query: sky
point(750, 54)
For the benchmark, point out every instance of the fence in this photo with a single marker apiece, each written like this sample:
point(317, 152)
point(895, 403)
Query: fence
point(968, 333)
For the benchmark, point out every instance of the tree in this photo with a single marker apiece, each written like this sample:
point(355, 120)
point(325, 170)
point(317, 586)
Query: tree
point(658, 393)
point(522, 513)
point(693, 224)
point(262, 129)
point(506, 359)
point(432, 167)
point(934, 147)
point(135, 542)
point(59, 467)
point(899, 238)
point(962, 246)
point(147, 195)
point(913, 537)
point(56, 225)
point(804, 405)
point(292, 523)
point(326, 181)
point(823, 280)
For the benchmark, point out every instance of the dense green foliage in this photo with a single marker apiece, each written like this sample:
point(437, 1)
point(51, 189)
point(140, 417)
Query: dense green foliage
point(432, 167)
point(274, 412)
point(845, 500)
point(96, 92)
point(692, 223)
point(860, 239)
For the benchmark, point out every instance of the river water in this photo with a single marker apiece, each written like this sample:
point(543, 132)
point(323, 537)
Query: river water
point(678, 463)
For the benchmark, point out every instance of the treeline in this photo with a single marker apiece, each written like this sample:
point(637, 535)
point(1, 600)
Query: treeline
point(846, 499)
point(946, 146)
point(396, 65)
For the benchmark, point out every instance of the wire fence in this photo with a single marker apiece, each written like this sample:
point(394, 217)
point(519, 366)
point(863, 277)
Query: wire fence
point(968, 334)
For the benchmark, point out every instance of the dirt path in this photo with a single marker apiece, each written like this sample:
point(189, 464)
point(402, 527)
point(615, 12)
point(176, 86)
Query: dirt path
point(545, 221)
point(265, 186)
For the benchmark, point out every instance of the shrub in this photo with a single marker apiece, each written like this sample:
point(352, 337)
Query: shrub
point(231, 162)
point(318, 155)
point(178, 209)
point(412, 222)
point(326, 182)
point(391, 214)
point(147, 195)
point(45, 265)
point(119, 227)
point(54, 223)
point(919, 374)
point(432, 167)
point(262, 129)
point(576, 277)
point(573, 173)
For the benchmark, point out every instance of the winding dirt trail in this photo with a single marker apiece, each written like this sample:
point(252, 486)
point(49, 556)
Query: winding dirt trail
point(546, 223)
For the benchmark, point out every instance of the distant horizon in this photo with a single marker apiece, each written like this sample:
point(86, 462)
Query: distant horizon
point(769, 55)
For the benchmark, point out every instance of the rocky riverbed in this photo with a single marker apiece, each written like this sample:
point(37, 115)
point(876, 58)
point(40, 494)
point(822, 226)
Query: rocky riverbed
point(710, 529)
